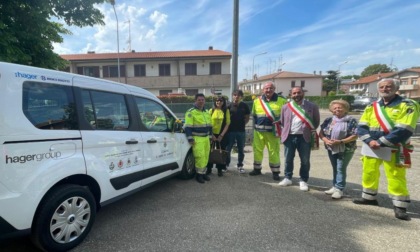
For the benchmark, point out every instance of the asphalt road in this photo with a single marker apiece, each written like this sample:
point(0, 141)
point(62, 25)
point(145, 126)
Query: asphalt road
point(238, 212)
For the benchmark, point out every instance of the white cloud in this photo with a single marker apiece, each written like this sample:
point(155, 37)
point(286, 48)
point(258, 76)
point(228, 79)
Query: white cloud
point(361, 32)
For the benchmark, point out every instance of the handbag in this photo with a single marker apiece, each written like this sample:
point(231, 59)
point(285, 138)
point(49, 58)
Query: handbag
point(217, 155)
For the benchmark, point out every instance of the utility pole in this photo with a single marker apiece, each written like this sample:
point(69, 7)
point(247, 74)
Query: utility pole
point(234, 79)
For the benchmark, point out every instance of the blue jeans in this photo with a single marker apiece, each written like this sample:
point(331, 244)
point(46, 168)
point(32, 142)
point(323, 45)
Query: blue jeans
point(339, 163)
point(293, 143)
point(239, 138)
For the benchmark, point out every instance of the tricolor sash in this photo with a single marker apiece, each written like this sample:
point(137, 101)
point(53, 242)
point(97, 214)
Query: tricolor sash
point(271, 116)
point(403, 151)
point(306, 119)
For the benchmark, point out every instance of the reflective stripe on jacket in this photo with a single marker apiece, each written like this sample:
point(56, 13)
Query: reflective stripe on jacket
point(403, 112)
point(261, 121)
point(197, 123)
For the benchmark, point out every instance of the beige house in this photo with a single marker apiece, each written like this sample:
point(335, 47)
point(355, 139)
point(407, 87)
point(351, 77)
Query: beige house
point(409, 80)
point(162, 73)
point(284, 81)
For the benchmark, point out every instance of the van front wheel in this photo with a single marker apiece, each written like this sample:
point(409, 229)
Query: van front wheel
point(188, 169)
point(64, 218)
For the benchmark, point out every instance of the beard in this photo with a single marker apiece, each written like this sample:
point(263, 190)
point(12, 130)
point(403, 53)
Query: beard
point(297, 98)
point(387, 95)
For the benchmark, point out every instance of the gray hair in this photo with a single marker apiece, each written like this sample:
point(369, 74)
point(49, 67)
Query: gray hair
point(343, 103)
point(395, 83)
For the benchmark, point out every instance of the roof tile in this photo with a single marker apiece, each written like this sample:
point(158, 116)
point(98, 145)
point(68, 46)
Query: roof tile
point(147, 55)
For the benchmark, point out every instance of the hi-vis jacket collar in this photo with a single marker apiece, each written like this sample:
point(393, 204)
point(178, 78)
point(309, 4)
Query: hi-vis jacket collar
point(204, 108)
point(397, 100)
point(274, 97)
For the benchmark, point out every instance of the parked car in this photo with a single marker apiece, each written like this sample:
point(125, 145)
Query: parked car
point(72, 144)
point(360, 103)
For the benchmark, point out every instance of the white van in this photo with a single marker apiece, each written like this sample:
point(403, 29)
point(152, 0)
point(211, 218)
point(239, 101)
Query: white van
point(71, 144)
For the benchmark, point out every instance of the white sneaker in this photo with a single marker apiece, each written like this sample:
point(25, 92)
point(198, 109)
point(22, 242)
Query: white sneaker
point(337, 194)
point(330, 191)
point(303, 186)
point(285, 182)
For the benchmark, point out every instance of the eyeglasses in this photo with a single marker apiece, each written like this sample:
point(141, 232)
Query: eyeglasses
point(219, 100)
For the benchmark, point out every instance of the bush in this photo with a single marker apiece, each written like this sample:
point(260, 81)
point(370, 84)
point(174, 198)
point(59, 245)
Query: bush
point(322, 101)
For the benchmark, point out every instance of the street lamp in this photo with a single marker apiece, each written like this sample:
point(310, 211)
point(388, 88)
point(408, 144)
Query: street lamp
point(281, 67)
point(338, 75)
point(118, 39)
point(253, 59)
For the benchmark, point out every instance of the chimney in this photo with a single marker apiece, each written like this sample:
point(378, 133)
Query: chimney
point(133, 51)
point(320, 72)
point(314, 72)
point(91, 52)
point(210, 47)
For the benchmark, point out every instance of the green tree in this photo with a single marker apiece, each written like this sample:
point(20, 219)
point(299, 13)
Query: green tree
point(350, 77)
point(374, 69)
point(330, 82)
point(28, 29)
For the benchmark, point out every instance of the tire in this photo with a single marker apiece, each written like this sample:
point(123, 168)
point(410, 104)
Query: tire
point(75, 207)
point(188, 169)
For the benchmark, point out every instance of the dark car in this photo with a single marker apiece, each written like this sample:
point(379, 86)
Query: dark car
point(360, 103)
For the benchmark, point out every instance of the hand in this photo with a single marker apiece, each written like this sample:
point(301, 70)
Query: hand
point(213, 138)
point(374, 145)
point(220, 138)
point(335, 142)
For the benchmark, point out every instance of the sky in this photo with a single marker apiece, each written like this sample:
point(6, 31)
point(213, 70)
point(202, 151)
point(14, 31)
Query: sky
point(293, 35)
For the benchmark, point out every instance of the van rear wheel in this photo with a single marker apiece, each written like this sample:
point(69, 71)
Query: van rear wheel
point(64, 218)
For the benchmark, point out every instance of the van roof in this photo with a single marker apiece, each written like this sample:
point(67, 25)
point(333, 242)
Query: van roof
point(59, 77)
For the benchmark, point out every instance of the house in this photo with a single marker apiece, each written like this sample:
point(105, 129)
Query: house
point(284, 81)
point(409, 79)
point(162, 73)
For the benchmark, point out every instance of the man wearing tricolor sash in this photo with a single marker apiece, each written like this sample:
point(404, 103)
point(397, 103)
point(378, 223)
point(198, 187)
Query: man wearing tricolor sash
point(299, 119)
point(389, 122)
point(266, 113)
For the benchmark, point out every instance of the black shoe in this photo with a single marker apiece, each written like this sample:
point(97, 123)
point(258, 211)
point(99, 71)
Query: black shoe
point(401, 213)
point(255, 172)
point(220, 172)
point(276, 176)
point(362, 201)
point(208, 171)
point(206, 178)
point(199, 178)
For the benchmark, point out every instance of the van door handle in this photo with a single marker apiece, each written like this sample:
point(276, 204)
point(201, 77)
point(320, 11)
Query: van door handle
point(131, 142)
point(152, 141)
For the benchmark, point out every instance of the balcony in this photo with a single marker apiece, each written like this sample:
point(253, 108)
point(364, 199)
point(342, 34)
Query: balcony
point(409, 87)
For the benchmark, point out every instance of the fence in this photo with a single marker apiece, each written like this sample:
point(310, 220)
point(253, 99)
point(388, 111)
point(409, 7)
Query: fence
point(180, 108)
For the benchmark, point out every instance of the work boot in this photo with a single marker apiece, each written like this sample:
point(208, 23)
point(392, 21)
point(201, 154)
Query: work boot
point(363, 201)
point(255, 172)
point(276, 176)
point(206, 177)
point(199, 178)
point(401, 213)
point(208, 171)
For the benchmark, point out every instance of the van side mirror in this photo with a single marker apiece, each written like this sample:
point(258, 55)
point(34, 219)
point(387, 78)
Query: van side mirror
point(178, 126)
